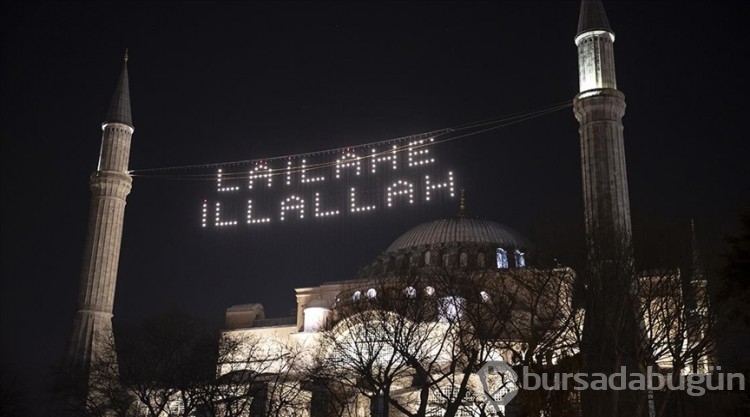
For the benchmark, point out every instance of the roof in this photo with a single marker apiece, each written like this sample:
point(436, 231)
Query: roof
point(246, 307)
point(119, 108)
point(459, 230)
point(592, 17)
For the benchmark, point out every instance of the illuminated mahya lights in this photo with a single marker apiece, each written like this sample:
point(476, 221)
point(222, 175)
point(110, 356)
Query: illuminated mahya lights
point(305, 179)
point(219, 222)
point(255, 174)
point(428, 186)
point(318, 212)
point(401, 188)
point(218, 184)
point(204, 213)
point(398, 175)
point(289, 172)
point(421, 150)
point(375, 159)
point(353, 199)
point(350, 159)
point(250, 219)
point(287, 205)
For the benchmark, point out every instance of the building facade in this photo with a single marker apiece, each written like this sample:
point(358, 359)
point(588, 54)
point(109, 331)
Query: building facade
point(413, 329)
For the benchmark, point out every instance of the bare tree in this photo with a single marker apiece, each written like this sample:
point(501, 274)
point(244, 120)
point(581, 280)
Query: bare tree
point(263, 377)
point(529, 315)
point(413, 343)
point(94, 391)
point(173, 365)
point(386, 342)
point(678, 327)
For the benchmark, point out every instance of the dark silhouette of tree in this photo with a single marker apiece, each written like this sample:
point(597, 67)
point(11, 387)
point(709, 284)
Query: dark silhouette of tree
point(733, 306)
point(678, 330)
point(412, 343)
point(174, 365)
point(13, 393)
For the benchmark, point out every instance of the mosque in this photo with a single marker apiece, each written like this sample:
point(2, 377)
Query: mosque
point(451, 269)
point(438, 274)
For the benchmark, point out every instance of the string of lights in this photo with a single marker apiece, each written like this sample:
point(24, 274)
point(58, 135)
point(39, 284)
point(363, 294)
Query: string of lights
point(389, 148)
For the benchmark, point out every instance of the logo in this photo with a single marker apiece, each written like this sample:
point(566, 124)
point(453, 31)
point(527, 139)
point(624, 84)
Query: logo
point(500, 383)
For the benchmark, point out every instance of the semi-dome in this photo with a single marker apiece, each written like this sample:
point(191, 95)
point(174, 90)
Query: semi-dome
point(459, 230)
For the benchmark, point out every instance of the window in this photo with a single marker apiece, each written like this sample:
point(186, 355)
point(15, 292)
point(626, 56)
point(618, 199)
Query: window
point(356, 296)
point(480, 260)
point(501, 258)
point(463, 259)
point(410, 292)
point(371, 293)
point(315, 318)
point(175, 408)
point(520, 260)
point(450, 308)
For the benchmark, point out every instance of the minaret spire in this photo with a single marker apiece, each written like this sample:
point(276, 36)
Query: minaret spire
point(110, 185)
point(119, 108)
point(592, 17)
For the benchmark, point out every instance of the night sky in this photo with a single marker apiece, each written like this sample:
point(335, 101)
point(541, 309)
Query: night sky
point(216, 82)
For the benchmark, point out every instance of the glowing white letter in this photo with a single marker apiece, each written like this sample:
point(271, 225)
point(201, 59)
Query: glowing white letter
point(430, 186)
point(218, 184)
point(349, 159)
point(286, 206)
point(400, 188)
point(319, 213)
point(250, 219)
point(218, 218)
point(354, 203)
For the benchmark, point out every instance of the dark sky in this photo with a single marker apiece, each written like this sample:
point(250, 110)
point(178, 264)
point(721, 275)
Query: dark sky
point(214, 82)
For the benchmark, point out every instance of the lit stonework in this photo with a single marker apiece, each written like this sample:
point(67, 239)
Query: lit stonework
point(110, 185)
point(462, 247)
point(599, 108)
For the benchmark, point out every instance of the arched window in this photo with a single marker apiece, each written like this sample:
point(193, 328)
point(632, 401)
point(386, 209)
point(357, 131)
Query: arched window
point(480, 260)
point(463, 259)
point(371, 293)
point(427, 258)
point(501, 258)
point(410, 292)
point(450, 308)
point(520, 260)
point(356, 296)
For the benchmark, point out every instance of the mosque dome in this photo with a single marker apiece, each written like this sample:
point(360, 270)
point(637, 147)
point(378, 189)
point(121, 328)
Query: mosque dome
point(456, 231)
point(459, 242)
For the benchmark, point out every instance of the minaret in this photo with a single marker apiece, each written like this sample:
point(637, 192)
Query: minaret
point(611, 334)
point(110, 184)
point(599, 108)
